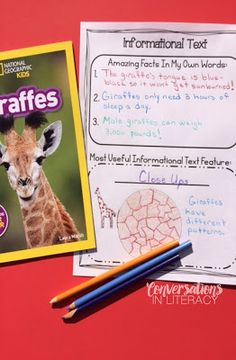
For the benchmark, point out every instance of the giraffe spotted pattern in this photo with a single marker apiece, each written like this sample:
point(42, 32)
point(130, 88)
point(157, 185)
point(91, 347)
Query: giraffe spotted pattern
point(147, 219)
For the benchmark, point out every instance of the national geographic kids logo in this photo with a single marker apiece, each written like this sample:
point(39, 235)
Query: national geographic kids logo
point(18, 67)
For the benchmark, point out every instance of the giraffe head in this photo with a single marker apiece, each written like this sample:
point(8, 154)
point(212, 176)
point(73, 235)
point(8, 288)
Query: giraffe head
point(22, 155)
point(97, 192)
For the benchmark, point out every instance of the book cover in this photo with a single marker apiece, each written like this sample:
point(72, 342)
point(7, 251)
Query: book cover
point(45, 205)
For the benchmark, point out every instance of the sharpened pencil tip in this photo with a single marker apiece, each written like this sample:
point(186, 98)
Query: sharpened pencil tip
point(71, 307)
point(53, 301)
point(70, 314)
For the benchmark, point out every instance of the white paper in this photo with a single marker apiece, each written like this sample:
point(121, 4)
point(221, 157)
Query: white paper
point(158, 106)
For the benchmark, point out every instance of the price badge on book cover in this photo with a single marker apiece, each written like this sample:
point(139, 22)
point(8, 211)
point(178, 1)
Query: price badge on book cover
point(3, 220)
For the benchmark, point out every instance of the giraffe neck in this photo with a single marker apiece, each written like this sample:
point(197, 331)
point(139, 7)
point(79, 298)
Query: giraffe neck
point(45, 219)
point(100, 201)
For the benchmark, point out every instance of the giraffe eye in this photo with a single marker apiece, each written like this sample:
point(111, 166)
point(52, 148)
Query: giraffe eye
point(40, 159)
point(6, 165)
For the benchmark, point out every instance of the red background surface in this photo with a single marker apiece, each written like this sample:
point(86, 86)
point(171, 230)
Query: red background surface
point(129, 326)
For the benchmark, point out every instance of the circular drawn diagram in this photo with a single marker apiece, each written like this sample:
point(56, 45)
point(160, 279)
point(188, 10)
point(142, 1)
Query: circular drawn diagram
point(147, 219)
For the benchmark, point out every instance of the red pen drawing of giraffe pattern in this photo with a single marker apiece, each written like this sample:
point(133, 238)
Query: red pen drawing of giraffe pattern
point(147, 219)
point(105, 211)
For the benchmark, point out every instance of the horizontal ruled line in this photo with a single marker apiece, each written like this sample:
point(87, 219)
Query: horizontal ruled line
point(151, 183)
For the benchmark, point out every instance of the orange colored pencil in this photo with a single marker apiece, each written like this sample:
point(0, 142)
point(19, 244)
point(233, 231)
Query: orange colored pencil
point(115, 271)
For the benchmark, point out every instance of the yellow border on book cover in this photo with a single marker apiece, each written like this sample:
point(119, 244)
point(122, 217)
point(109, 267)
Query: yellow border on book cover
point(88, 243)
point(1, 69)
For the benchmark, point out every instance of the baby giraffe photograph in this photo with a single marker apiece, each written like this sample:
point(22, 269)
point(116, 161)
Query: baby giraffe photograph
point(45, 220)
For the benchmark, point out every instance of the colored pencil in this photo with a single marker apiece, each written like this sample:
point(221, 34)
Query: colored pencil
point(139, 269)
point(123, 285)
point(95, 281)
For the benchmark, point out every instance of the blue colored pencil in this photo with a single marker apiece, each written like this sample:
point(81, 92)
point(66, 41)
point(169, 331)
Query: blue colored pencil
point(129, 274)
point(121, 286)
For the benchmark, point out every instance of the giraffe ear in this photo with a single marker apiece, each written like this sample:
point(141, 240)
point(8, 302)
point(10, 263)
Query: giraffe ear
point(2, 151)
point(51, 138)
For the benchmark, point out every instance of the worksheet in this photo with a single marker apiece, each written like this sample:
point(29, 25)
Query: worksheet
point(158, 108)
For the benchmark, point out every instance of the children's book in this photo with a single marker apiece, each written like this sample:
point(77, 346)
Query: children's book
point(158, 108)
point(45, 204)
